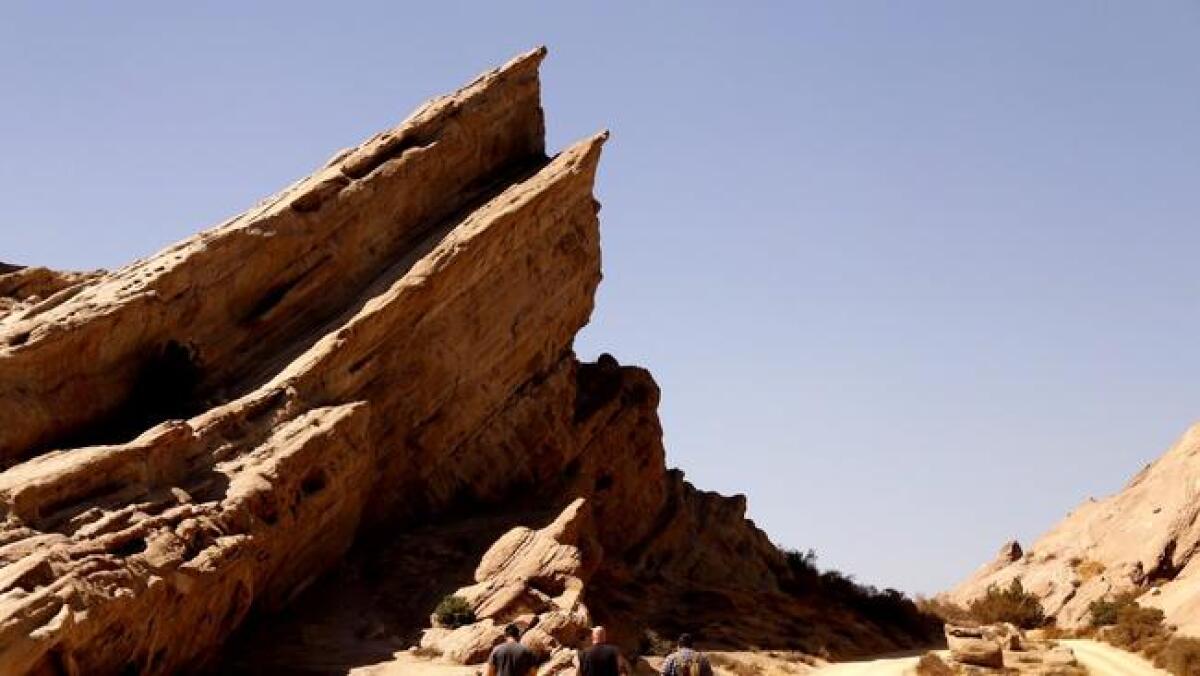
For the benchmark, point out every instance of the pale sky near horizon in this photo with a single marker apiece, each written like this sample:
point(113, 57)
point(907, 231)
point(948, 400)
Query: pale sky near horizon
point(915, 277)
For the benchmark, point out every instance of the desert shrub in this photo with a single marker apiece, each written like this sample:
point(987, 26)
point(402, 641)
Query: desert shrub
point(888, 609)
point(1127, 625)
point(1105, 612)
point(1137, 629)
point(803, 575)
point(944, 610)
point(932, 665)
point(454, 611)
point(1012, 604)
point(1180, 656)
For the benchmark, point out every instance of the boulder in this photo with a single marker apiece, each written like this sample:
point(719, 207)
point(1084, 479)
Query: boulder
point(470, 644)
point(972, 646)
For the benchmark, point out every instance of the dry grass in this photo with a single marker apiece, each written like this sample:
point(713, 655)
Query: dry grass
point(1087, 569)
point(793, 657)
point(945, 610)
point(932, 665)
point(425, 652)
point(734, 665)
point(1129, 626)
point(1181, 657)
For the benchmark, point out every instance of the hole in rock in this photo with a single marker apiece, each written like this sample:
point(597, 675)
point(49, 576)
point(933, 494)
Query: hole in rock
point(130, 547)
point(547, 585)
point(313, 482)
point(164, 388)
point(272, 298)
point(266, 511)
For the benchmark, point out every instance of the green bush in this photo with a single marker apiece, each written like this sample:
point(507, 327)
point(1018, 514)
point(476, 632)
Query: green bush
point(454, 611)
point(1106, 612)
point(1138, 629)
point(888, 609)
point(1012, 604)
point(1129, 626)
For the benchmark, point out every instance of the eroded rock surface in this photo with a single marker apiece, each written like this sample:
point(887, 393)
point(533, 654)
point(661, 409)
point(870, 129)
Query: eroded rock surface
point(28, 291)
point(1143, 540)
point(266, 416)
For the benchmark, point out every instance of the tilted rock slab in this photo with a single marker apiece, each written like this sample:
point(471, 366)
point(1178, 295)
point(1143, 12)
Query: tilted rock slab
point(1143, 540)
point(203, 433)
point(464, 262)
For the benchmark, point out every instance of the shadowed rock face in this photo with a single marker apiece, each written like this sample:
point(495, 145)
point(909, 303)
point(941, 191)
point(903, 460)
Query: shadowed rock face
point(1143, 540)
point(197, 438)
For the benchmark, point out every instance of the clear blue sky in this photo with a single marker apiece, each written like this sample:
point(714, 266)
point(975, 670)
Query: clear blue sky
point(916, 277)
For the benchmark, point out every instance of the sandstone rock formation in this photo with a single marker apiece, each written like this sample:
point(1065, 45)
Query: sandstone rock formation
point(1142, 540)
point(532, 578)
point(269, 413)
point(32, 290)
point(1003, 648)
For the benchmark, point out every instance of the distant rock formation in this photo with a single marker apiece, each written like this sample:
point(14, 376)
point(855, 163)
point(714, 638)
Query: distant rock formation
point(1143, 540)
point(199, 437)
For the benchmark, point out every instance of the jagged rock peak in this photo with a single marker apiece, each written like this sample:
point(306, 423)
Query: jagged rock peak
point(375, 361)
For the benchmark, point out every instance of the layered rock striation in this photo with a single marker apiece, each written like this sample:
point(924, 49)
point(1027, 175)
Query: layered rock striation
point(198, 437)
point(1142, 541)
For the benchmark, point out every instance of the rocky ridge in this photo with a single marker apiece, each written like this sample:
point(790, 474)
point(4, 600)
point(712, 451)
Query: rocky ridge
point(1143, 540)
point(256, 416)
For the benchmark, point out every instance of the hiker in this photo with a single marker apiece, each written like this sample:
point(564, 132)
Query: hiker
point(603, 658)
point(687, 661)
point(511, 658)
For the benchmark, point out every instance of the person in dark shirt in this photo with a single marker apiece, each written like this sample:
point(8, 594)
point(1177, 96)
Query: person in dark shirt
point(603, 658)
point(511, 658)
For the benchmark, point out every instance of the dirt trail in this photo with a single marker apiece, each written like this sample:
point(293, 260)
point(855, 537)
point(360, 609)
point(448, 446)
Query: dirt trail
point(1102, 659)
point(884, 666)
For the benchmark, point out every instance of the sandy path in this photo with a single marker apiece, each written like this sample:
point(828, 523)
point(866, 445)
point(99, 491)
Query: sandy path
point(888, 666)
point(1102, 659)
point(405, 665)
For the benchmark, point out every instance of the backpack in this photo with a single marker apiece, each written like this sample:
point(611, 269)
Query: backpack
point(687, 663)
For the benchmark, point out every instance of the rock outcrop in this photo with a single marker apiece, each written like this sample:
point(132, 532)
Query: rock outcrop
point(32, 290)
point(532, 578)
point(259, 414)
point(1002, 649)
point(1143, 541)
